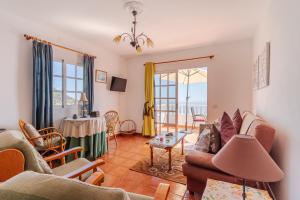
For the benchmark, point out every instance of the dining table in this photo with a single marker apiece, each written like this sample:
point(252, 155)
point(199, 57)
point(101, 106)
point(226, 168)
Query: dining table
point(89, 133)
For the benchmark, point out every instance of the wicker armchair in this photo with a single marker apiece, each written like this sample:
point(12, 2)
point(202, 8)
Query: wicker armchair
point(52, 140)
point(112, 119)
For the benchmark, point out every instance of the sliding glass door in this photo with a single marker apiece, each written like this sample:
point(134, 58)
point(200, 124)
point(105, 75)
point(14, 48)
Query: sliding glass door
point(166, 102)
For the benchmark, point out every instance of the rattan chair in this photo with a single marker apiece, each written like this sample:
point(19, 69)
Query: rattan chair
point(112, 119)
point(53, 141)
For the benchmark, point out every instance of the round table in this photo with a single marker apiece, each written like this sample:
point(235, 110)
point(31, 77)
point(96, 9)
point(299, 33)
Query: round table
point(88, 133)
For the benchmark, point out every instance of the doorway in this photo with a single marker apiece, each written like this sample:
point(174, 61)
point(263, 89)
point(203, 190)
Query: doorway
point(175, 94)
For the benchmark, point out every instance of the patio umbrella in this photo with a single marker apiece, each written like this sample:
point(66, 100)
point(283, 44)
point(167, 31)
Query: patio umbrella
point(188, 76)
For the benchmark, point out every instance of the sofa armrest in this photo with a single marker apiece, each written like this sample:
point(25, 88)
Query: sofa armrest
point(200, 159)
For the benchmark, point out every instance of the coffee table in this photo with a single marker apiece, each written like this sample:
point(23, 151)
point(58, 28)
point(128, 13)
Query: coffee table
point(162, 141)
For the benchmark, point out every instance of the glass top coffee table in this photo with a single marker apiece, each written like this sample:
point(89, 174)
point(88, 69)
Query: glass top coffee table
point(167, 142)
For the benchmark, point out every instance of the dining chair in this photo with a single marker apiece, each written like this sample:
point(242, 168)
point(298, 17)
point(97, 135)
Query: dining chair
point(12, 162)
point(112, 119)
point(197, 117)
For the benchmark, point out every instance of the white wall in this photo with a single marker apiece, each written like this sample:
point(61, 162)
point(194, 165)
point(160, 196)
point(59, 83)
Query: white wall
point(229, 78)
point(16, 69)
point(279, 103)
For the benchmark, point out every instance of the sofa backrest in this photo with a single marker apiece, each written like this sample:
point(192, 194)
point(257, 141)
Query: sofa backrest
point(257, 127)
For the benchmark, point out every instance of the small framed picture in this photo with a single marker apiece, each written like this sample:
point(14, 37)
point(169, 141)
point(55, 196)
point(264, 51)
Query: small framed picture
point(101, 76)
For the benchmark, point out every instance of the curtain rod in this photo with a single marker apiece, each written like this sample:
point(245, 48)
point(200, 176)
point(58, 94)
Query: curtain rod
point(29, 37)
point(186, 59)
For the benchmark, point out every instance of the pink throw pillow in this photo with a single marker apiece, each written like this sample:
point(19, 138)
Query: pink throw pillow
point(227, 129)
point(237, 120)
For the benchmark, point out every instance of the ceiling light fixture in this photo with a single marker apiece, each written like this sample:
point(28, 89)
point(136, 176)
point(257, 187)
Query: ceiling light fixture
point(135, 8)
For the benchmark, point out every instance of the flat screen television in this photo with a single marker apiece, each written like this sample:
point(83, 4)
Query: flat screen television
point(118, 84)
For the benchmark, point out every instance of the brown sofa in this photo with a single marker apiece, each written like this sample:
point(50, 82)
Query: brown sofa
point(198, 166)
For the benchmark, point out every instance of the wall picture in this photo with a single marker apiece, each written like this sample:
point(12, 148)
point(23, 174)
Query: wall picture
point(264, 67)
point(255, 74)
point(101, 76)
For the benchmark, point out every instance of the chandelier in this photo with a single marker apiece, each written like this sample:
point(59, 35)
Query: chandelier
point(136, 40)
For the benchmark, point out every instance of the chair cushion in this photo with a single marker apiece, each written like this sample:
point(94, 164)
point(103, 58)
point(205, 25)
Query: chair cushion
point(55, 142)
point(72, 166)
point(134, 196)
point(227, 129)
point(51, 187)
point(32, 132)
point(200, 159)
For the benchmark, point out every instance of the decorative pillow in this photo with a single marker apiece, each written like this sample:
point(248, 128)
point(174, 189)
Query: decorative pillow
point(32, 132)
point(227, 129)
point(203, 141)
point(215, 139)
point(237, 120)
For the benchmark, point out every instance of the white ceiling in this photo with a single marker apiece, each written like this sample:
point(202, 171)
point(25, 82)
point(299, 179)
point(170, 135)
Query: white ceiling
point(172, 24)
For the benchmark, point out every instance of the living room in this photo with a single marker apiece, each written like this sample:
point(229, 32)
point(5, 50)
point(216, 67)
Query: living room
point(129, 92)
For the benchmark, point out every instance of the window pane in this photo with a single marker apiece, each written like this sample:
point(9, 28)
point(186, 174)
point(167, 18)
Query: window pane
point(78, 95)
point(163, 117)
point(70, 70)
point(172, 78)
point(57, 98)
point(157, 104)
point(172, 119)
point(157, 114)
point(70, 98)
point(172, 104)
point(70, 84)
point(57, 68)
point(164, 92)
point(164, 79)
point(172, 91)
point(79, 85)
point(157, 92)
point(79, 72)
point(164, 105)
point(156, 79)
point(57, 83)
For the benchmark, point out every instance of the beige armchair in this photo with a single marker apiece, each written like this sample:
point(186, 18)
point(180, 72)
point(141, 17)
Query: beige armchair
point(80, 168)
point(41, 186)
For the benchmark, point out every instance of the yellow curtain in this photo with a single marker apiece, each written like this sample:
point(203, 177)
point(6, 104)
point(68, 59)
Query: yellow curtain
point(148, 126)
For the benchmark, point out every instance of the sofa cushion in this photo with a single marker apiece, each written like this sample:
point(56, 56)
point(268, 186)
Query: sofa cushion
point(227, 129)
point(237, 120)
point(200, 159)
point(203, 141)
point(248, 118)
point(215, 139)
point(72, 166)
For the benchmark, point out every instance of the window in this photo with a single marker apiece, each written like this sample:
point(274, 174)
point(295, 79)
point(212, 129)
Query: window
point(67, 83)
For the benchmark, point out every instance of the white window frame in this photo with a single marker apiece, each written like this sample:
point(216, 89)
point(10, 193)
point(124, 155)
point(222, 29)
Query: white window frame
point(64, 83)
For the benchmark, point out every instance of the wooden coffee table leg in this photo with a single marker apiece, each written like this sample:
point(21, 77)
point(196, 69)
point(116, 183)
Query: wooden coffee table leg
point(170, 159)
point(151, 155)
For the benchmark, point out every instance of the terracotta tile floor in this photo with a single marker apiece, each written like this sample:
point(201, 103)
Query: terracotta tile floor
point(117, 165)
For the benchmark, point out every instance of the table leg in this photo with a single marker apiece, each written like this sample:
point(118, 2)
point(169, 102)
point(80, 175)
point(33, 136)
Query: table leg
point(182, 146)
point(151, 156)
point(170, 159)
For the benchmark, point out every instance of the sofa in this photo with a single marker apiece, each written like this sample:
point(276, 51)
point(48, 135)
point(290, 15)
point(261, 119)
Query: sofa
point(198, 166)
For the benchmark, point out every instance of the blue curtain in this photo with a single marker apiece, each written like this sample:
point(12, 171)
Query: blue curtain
point(88, 80)
point(42, 114)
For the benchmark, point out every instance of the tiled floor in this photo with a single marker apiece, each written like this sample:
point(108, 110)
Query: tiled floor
point(118, 161)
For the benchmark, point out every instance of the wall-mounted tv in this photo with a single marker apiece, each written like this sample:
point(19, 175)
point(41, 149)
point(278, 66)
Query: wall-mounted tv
point(118, 84)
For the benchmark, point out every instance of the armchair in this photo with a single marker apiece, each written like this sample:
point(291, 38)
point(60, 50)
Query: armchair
point(80, 168)
point(45, 140)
